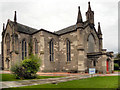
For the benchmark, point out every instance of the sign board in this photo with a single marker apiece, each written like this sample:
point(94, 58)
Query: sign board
point(91, 70)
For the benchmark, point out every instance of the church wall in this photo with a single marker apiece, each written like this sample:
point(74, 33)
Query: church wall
point(51, 65)
point(101, 63)
point(64, 64)
point(41, 46)
point(9, 31)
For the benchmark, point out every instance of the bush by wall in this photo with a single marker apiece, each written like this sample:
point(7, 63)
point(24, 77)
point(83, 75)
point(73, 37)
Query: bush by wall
point(27, 69)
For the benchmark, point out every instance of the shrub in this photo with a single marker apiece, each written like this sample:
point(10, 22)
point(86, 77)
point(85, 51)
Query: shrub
point(116, 66)
point(27, 69)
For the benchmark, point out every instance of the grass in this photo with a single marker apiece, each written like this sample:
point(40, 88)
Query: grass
point(94, 82)
point(11, 77)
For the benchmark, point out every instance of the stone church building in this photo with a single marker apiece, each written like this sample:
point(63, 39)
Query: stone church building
point(73, 49)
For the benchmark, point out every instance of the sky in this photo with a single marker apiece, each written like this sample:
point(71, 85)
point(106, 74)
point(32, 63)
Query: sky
point(119, 27)
point(53, 15)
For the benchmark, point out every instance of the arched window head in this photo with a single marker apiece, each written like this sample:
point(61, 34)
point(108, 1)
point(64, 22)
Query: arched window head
point(36, 47)
point(24, 49)
point(51, 50)
point(91, 43)
point(7, 43)
point(68, 47)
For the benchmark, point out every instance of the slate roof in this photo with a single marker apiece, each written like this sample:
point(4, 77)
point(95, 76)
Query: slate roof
point(70, 28)
point(24, 29)
point(28, 30)
point(65, 30)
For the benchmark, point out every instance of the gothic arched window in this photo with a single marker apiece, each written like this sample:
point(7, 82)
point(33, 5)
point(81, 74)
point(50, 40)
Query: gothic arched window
point(51, 50)
point(8, 43)
point(24, 49)
point(91, 43)
point(36, 47)
point(68, 50)
point(94, 63)
point(16, 42)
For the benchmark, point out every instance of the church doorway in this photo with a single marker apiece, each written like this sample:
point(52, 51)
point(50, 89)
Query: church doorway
point(107, 65)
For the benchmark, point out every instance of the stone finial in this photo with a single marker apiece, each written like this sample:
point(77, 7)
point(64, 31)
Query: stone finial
point(3, 26)
point(99, 29)
point(89, 7)
point(79, 18)
point(15, 17)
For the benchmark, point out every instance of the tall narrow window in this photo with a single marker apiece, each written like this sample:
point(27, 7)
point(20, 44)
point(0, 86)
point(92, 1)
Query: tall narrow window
point(94, 63)
point(51, 50)
point(16, 42)
point(68, 50)
point(24, 49)
point(8, 43)
point(36, 47)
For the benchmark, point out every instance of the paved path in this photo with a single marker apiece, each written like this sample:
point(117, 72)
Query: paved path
point(8, 84)
point(63, 73)
point(69, 77)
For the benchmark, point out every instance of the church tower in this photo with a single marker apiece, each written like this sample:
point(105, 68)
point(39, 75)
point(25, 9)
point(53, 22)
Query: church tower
point(90, 15)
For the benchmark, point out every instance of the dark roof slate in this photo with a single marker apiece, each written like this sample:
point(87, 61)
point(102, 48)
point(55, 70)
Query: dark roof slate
point(24, 29)
point(28, 30)
point(65, 30)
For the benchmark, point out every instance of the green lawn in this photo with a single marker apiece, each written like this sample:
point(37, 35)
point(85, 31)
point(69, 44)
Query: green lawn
point(10, 77)
point(94, 82)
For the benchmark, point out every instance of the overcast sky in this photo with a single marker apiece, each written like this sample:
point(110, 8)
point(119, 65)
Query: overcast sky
point(54, 15)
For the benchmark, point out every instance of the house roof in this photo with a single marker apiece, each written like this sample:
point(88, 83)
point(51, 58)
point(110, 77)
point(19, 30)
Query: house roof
point(24, 29)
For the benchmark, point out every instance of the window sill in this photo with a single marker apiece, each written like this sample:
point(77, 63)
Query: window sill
point(67, 62)
point(52, 61)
